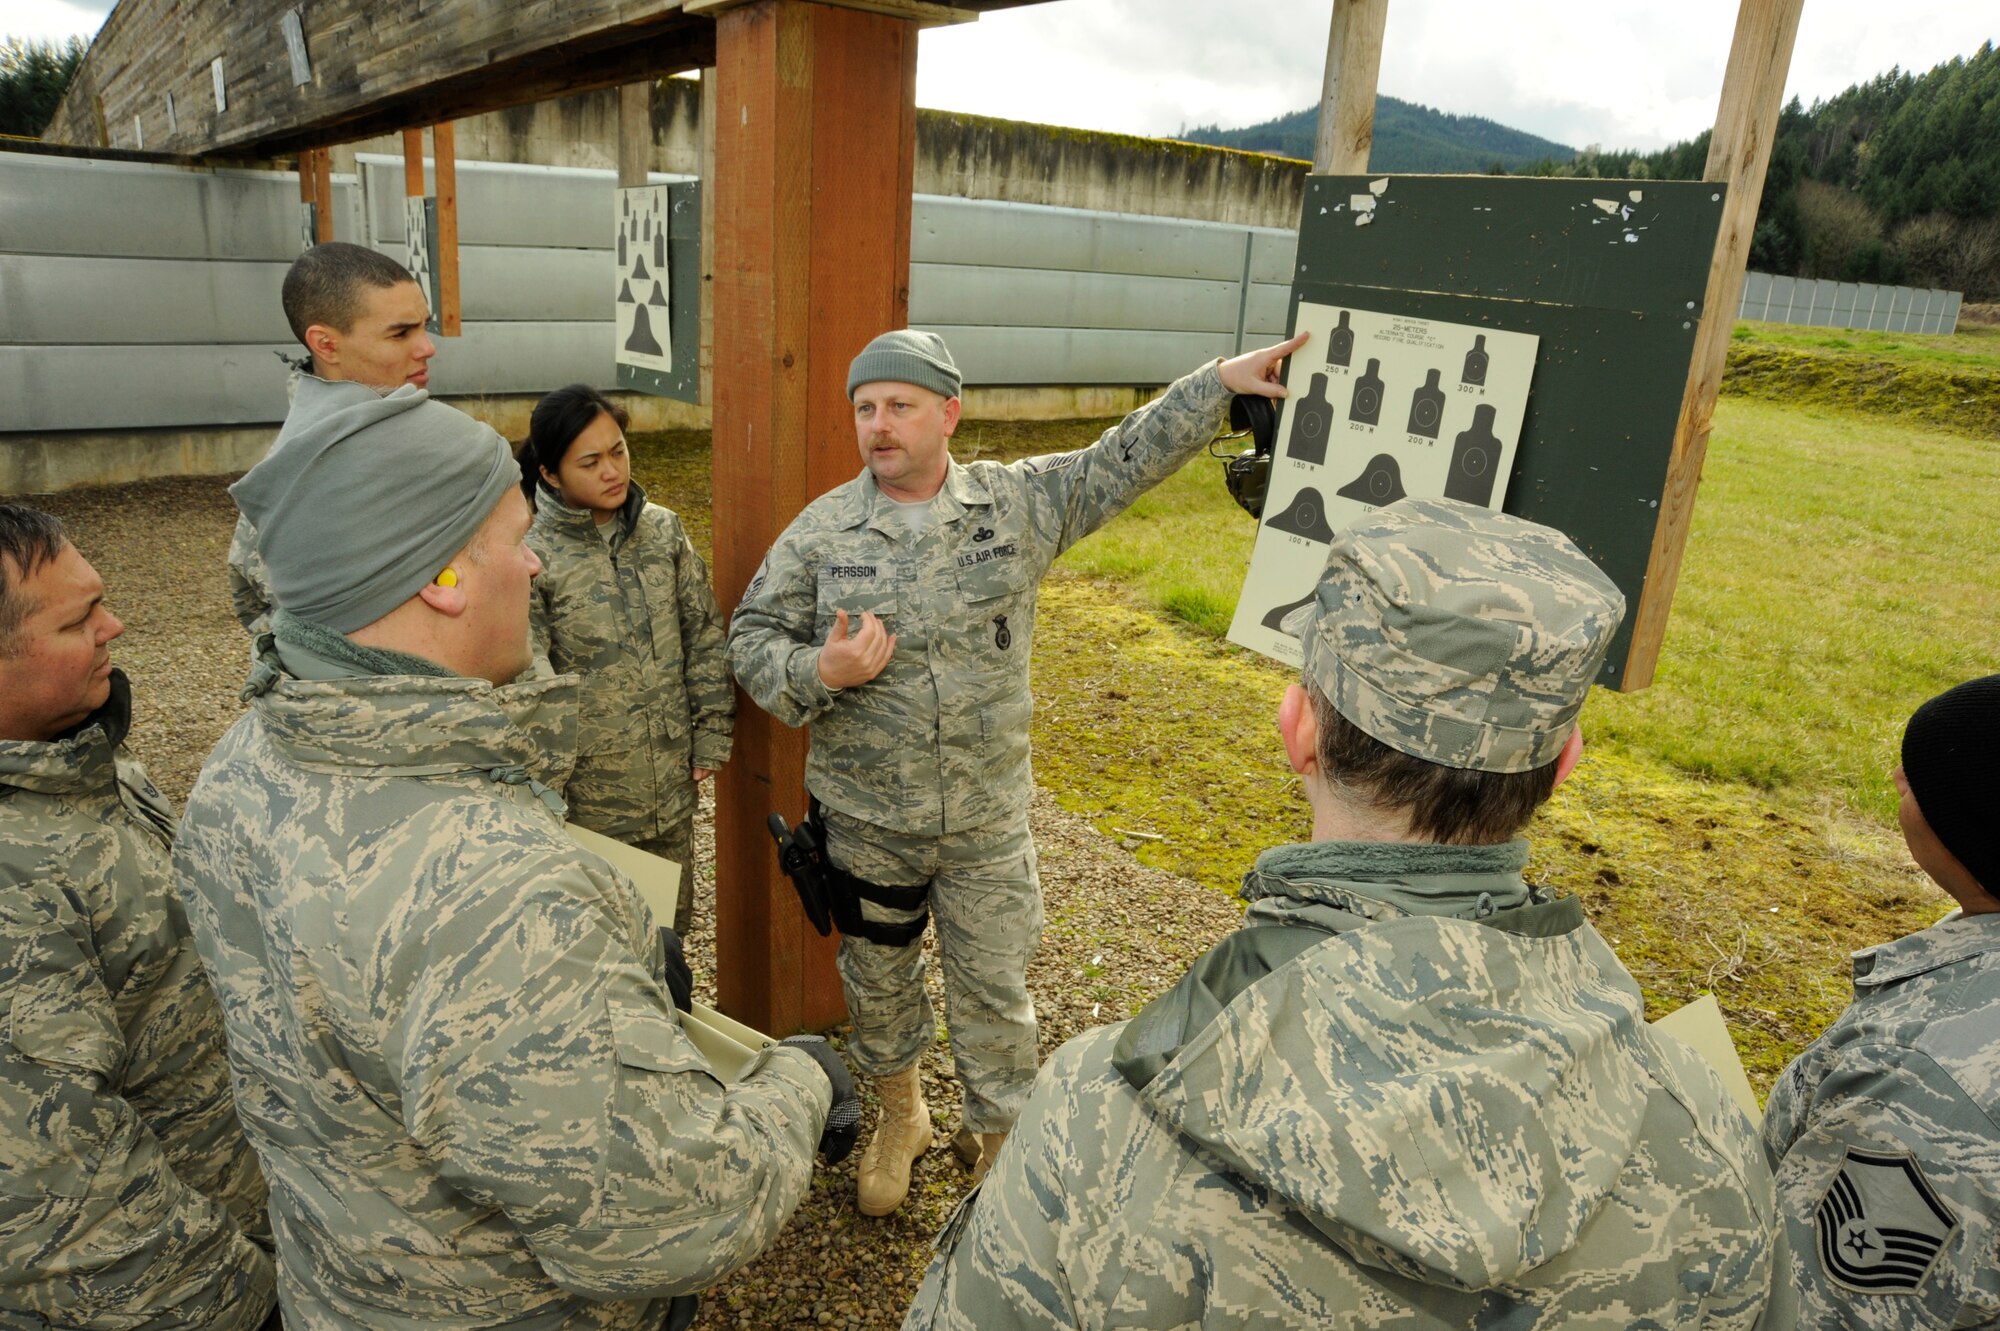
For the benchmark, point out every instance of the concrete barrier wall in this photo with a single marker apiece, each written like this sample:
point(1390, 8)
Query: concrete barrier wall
point(139, 296)
point(1817, 303)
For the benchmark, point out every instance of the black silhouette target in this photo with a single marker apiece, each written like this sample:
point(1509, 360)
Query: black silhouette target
point(1305, 516)
point(1274, 618)
point(1380, 482)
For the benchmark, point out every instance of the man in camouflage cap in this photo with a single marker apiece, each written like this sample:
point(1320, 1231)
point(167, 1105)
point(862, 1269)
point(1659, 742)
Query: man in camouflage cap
point(454, 1033)
point(1883, 1132)
point(1414, 1090)
point(919, 756)
point(128, 1195)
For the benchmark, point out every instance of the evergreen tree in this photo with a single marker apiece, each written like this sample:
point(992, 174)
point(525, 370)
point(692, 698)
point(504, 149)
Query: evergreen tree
point(33, 76)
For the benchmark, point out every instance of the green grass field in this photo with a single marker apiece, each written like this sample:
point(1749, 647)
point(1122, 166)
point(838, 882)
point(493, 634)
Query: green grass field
point(1975, 345)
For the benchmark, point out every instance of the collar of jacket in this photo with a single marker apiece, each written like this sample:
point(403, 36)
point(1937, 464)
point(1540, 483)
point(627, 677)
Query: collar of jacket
point(1300, 894)
point(1336, 885)
point(867, 506)
point(1957, 937)
point(417, 725)
point(84, 759)
point(556, 518)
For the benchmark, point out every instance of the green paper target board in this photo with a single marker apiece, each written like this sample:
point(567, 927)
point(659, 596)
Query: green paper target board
point(1600, 283)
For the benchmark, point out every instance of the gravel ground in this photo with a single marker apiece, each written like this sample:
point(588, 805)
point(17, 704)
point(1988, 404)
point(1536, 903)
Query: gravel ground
point(1117, 931)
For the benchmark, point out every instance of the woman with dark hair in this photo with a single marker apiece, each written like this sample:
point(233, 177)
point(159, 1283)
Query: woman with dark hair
point(624, 601)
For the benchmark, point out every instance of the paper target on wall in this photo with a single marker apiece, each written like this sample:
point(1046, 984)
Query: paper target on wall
point(308, 226)
point(420, 237)
point(645, 333)
point(1382, 407)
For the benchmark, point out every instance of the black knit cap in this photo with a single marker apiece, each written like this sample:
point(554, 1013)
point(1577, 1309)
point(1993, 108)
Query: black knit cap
point(1949, 749)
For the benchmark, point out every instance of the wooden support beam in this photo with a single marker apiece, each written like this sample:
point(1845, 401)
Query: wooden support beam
point(1746, 122)
point(922, 12)
point(1347, 102)
point(815, 149)
point(413, 163)
point(322, 187)
point(635, 134)
point(444, 148)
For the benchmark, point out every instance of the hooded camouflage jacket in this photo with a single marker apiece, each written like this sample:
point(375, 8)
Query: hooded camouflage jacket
point(1885, 1135)
point(456, 1051)
point(1409, 1093)
point(635, 617)
point(938, 742)
point(121, 1162)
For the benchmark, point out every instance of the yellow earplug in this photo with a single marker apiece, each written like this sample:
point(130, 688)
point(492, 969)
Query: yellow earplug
point(448, 578)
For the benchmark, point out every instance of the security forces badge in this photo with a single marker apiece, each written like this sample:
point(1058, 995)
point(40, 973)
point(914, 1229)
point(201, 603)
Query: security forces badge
point(1881, 1226)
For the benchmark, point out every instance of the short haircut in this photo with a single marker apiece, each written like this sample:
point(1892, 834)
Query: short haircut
point(557, 420)
point(1453, 805)
point(29, 538)
point(327, 284)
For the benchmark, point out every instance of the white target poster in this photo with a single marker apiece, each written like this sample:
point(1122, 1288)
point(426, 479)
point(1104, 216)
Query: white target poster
point(420, 239)
point(1382, 406)
point(644, 332)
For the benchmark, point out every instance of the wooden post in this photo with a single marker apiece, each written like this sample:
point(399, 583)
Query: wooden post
point(322, 187)
point(635, 134)
point(413, 163)
point(445, 149)
point(1347, 103)
point(1753, 93)
point(705, 380)
point(815, 148)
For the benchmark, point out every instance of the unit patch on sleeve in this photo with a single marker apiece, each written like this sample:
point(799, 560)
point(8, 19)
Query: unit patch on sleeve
point(1881, 1226)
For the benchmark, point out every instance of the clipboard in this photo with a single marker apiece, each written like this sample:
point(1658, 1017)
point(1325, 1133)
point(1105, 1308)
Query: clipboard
point(728, 1045)
point(1701, 1028)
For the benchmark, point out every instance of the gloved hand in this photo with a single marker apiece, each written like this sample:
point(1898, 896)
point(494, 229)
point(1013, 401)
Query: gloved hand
point(843, 1121)
point(680, 980)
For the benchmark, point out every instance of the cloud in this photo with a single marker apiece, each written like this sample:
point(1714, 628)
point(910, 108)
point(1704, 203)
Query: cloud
point(52, 20)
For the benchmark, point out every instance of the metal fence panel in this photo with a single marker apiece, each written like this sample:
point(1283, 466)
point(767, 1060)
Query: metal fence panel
point(1020, 235)
point(1949, 322)
point(1077, 355)
point(963, 294)
point(500, 283)
point(134, 386)
point(49, 298)
point(1756, 296)
point(503, 203)
point(65, 205)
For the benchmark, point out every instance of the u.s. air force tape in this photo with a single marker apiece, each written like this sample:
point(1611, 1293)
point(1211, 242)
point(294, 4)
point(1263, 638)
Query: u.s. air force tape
point(1881, 1226)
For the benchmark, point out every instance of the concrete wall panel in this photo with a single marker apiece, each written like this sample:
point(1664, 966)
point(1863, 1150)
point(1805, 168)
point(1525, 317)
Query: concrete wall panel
point(69, 299)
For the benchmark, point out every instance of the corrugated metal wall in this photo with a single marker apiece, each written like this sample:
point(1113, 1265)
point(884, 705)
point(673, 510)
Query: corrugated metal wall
point(135, 295)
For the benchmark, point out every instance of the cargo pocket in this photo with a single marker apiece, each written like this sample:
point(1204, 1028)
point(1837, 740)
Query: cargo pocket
point(665, 1092)
point(66, 1031)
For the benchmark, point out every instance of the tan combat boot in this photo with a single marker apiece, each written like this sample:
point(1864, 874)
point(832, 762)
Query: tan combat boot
point(975, 1150)
point(901, 1135)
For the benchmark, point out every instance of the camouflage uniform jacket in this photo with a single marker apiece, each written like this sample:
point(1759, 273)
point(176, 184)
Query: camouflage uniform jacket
point(938, 742)
point(636, 618)
point(123, 1172)
point(249, 580)
point(1410, 1093)
point(453, 1043)
point(1885, 1135)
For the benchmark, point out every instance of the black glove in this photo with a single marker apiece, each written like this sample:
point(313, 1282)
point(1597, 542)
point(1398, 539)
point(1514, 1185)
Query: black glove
point(680, 980)
point(843, 1121)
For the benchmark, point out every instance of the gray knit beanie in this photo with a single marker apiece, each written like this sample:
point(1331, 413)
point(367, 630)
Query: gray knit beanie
point(367, 496)
point(905, 356)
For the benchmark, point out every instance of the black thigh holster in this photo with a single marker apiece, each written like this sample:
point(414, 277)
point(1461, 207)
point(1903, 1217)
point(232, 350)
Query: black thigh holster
point(832, 896)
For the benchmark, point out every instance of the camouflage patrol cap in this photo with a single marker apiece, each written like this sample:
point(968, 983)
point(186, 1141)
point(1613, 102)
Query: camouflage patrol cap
point(1456, 634)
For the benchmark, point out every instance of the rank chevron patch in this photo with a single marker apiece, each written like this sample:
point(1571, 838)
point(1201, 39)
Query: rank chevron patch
point(1881, 1226)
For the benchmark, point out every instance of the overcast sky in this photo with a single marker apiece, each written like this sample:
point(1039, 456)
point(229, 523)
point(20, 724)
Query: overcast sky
point(1627, 74)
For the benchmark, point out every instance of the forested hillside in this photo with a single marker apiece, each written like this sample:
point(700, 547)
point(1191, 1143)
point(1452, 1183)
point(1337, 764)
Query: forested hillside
point(1408, 137)
point(1893, 180)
